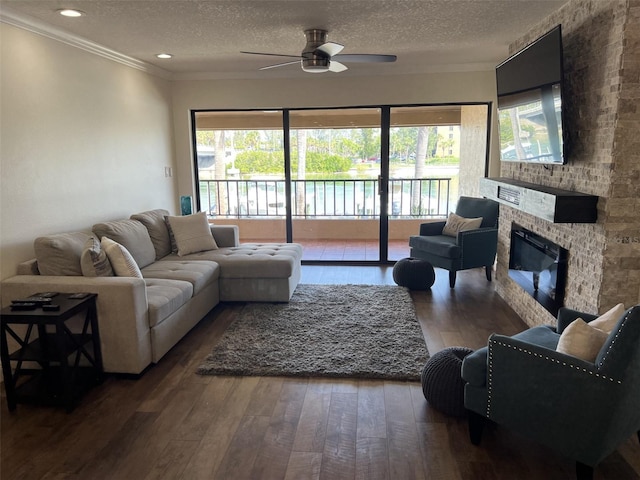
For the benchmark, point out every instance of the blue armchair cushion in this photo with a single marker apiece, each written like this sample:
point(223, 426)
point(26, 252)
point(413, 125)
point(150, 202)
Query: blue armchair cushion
point(441, 245)
point(474, 366)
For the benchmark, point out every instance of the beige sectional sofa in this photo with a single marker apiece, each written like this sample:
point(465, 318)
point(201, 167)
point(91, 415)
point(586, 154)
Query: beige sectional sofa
point(142, 316)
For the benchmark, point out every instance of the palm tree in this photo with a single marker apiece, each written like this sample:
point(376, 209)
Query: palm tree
point(422, 143)
point(302, 167)
point(220, 171)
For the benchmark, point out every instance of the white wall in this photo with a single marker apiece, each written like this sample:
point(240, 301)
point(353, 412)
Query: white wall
point(83, 139)
point(325, 90)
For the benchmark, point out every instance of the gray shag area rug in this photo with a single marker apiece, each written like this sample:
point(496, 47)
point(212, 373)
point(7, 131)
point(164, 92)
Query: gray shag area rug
point(349, 331)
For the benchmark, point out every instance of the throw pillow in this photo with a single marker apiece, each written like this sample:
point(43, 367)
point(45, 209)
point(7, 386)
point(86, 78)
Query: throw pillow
point(121, 260)
point(608, 320)
point(581, 340)
point(172, 237)
point(456, 223)
point(94, 261)
point(192, 233)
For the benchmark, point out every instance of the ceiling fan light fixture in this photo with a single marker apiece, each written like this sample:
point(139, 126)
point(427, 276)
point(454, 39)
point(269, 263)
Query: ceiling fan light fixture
point(315, 64)
point(319, 56)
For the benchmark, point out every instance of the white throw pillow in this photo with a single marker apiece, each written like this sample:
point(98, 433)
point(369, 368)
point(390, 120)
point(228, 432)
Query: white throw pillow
point(192, 233)
point(121, 260)
point(456, 223)
point(94, 261)
point(581, 340)
point(608, 320)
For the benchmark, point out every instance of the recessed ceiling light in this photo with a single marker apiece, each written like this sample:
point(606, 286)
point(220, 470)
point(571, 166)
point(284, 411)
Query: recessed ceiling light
point(68, 12)
point(164, 55)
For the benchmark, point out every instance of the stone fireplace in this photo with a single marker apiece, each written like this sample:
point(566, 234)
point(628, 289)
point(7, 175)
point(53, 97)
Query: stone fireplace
point(602, 104)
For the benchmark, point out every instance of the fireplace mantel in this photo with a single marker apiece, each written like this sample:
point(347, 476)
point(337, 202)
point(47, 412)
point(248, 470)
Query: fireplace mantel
point(552, 204)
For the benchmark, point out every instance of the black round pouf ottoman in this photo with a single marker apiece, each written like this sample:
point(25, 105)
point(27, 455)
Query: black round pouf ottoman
point(414, 273)
point(442, 382)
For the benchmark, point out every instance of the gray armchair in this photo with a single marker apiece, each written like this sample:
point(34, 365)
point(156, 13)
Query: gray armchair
point(580, 409)
point(471, 249)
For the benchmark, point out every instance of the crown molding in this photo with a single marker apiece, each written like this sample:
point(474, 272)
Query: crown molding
point(41, 28)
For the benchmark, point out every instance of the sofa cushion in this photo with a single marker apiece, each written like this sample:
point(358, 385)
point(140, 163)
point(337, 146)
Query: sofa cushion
point(252, 260)
point(198, 274)
point(192, 233)
point(121, 260)
point(60, 254)
point(94, 261)
point(132, 235)
point(164, 297)
point(261, 260)
point(154, 222)
point(441, 245)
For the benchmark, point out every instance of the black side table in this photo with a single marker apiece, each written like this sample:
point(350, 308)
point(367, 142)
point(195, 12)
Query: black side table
point(63, 363)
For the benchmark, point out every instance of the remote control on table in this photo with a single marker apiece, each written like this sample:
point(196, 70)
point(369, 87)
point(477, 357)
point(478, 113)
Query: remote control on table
point(23, 306)
point(46, 294)
point(33, 299)
point(79, 296)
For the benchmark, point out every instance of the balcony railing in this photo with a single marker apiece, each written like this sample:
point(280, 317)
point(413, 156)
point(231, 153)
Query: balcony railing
point(408, 198)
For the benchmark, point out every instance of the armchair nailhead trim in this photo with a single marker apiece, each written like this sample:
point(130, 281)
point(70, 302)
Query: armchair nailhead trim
point(489, 383)
point(538, 355)
point(604, 357)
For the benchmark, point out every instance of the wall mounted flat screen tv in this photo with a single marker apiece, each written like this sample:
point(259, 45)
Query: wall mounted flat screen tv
point(529, 87)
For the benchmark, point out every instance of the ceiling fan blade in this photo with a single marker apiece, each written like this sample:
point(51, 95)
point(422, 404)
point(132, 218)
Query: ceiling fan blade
point(279, 65)
point(336, 67)
point(364, 57)
point(272, 54)
point(330, 48)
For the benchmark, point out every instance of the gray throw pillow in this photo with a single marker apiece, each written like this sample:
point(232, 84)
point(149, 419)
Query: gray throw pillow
point(94, 261)
point(192, 233)
point(172, 237)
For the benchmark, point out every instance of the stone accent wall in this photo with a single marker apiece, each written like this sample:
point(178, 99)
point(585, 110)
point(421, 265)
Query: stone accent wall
point(621, 282)
point(601, 43)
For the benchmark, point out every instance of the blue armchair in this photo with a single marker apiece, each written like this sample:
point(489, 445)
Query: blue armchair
point(580, 409)
point(470, 249)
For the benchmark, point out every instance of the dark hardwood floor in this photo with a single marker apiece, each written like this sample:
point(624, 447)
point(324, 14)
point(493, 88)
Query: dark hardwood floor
point(174, 424)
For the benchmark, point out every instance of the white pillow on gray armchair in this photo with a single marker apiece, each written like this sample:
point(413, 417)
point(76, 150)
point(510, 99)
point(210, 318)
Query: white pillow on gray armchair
point(456, 223)
point(192, 233)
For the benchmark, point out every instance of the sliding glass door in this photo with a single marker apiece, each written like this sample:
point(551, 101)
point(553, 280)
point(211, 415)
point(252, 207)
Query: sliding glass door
point(335, 172)
point(240, 172)
point(349, 184)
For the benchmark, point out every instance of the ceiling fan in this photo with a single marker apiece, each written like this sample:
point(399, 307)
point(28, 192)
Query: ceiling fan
point(320, 56)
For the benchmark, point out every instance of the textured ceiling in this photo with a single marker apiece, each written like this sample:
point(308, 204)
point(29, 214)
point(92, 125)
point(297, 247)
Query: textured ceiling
point(206, 37)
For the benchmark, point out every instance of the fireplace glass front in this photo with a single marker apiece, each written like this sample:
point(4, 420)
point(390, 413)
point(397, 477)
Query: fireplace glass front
point(539, 266)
